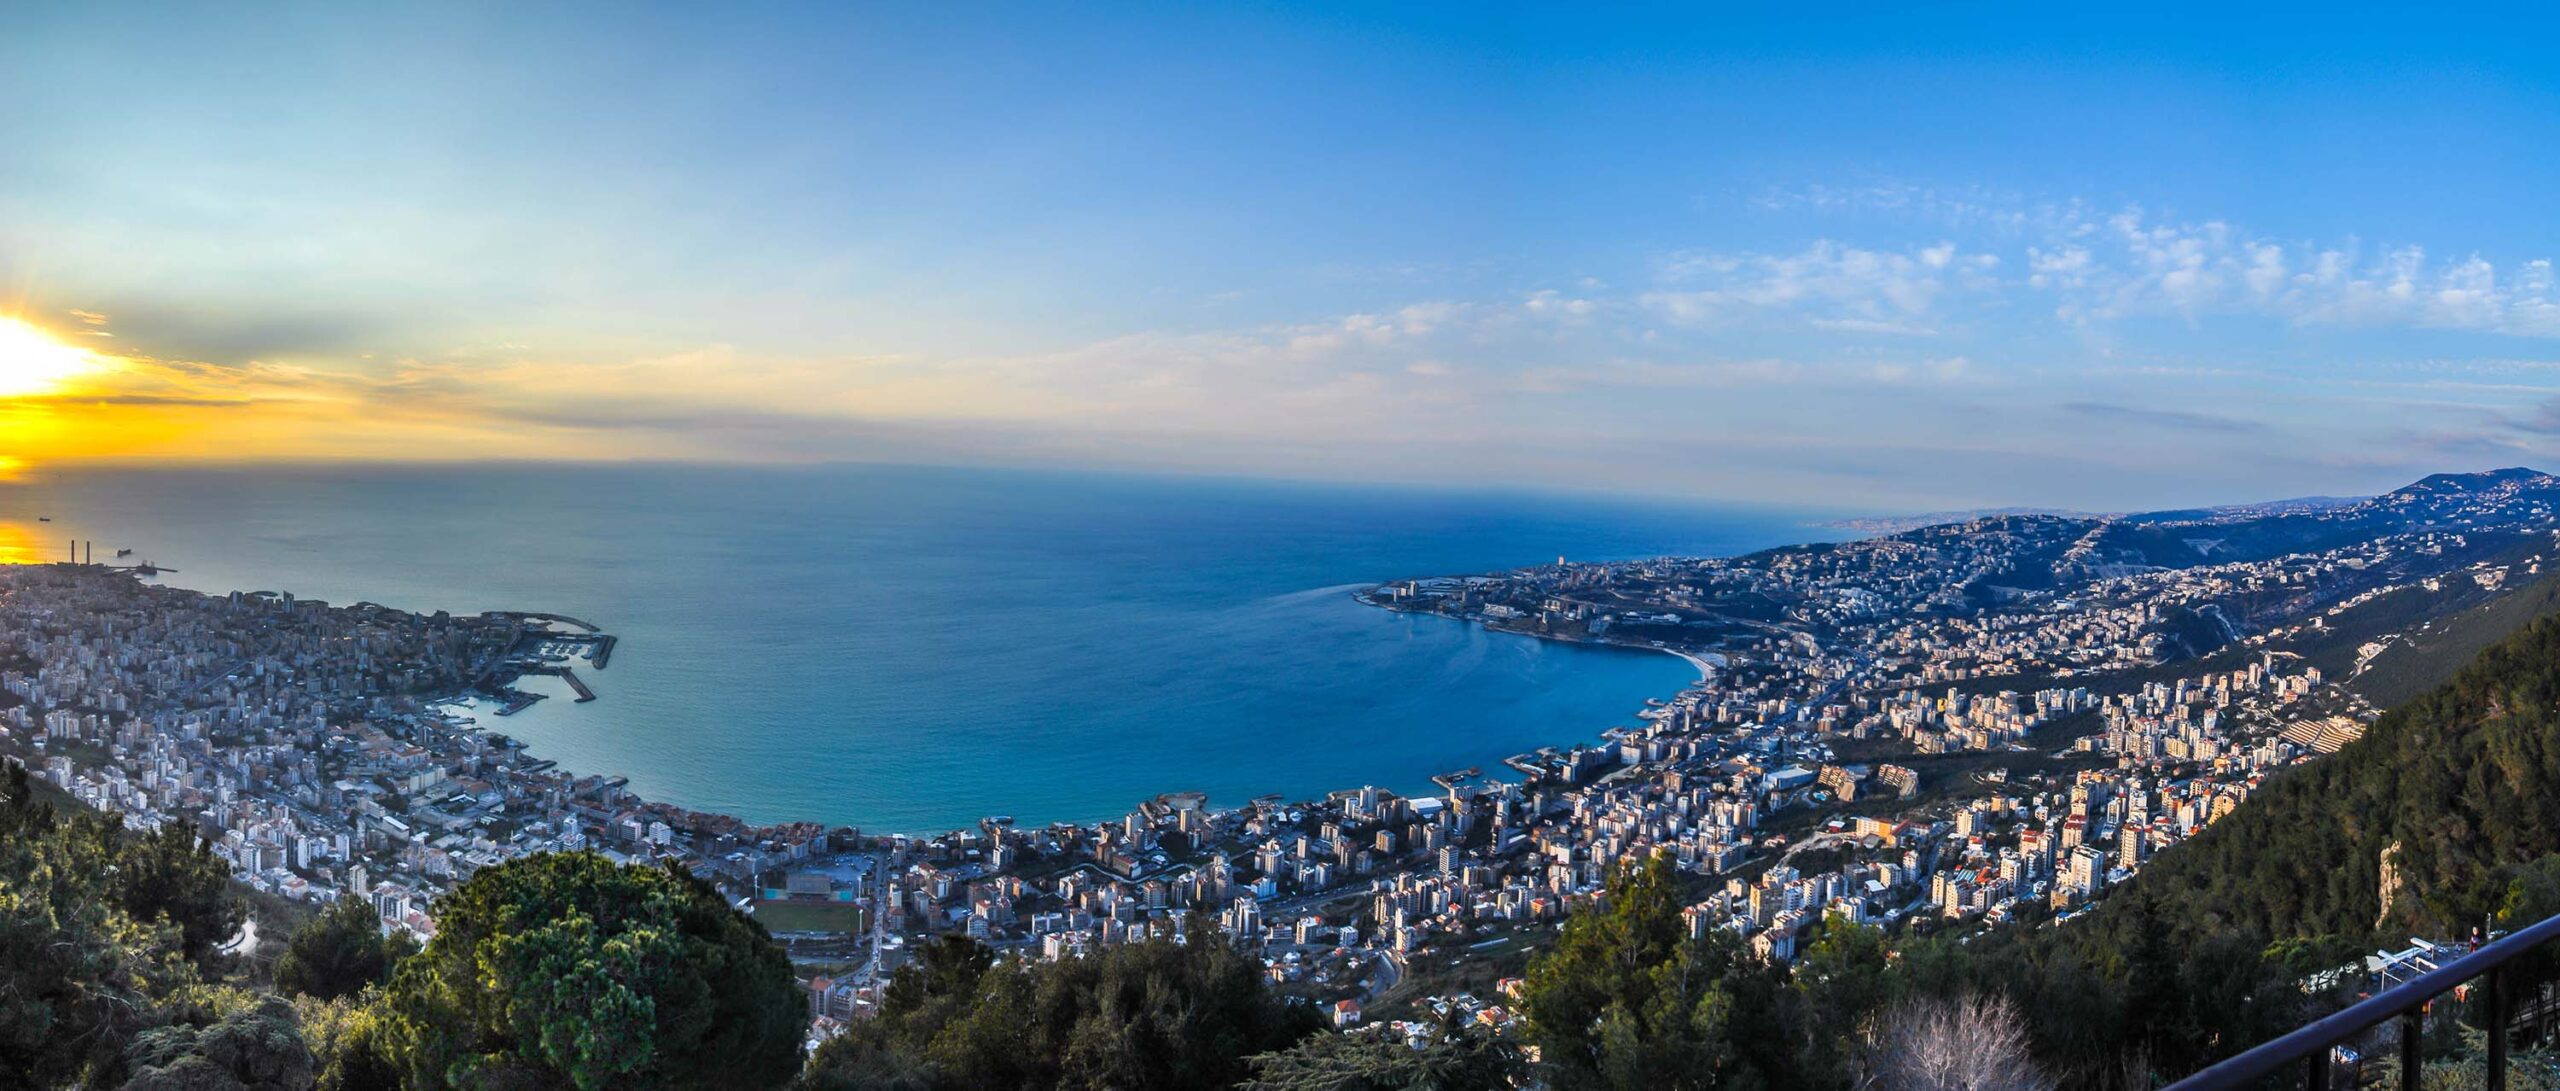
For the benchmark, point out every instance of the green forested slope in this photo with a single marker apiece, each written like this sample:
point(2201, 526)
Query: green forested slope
point(2464, 778)
point(2432, 651)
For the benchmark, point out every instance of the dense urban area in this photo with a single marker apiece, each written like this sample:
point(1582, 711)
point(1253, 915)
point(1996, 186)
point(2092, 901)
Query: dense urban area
point(1961, 726)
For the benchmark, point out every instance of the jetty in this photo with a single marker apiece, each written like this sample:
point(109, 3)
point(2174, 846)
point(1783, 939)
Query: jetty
point(577, 684)
point(515, 700)
point(1467, 780)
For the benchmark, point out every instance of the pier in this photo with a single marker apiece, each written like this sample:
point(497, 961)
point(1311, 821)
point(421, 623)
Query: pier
point(537, 649)
point(515, 701)
point(577, 684)
point(1470, 779)
point(1539, 764)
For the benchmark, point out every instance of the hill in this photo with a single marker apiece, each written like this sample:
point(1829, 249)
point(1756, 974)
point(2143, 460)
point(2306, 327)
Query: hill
point(2458, 786)
point(2427, 654)
point(2488, 499)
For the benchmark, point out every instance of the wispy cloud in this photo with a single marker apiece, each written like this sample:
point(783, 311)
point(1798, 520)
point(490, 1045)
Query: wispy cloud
point(2098, 267)
point(1992, 329)
point(2135, 267)
point(1827, 284)
point(2181, 419)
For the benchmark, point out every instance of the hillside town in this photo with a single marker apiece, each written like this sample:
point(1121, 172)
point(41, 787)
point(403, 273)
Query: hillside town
point(312, 743)
point(1952, 727)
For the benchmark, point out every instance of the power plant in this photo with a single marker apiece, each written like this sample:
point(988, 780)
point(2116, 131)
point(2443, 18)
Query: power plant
point(86, 552)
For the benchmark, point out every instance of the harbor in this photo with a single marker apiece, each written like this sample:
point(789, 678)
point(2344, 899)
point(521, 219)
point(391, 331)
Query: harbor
point(540, 649)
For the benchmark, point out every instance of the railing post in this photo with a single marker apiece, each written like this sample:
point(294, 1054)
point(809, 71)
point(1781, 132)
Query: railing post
point(2413, 1033)
point(2483, 973)
point(2497, 1074)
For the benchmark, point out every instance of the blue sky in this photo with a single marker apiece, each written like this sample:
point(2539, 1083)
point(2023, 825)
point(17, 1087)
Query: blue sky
point(1878, 258)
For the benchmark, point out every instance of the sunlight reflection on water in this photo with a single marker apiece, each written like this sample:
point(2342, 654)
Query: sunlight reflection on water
point(19, 544)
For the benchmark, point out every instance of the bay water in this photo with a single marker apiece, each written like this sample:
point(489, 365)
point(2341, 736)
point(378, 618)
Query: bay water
point(913, 648)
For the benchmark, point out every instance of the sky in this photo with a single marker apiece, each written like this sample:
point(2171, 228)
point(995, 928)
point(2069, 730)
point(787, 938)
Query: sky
point(1883, 259)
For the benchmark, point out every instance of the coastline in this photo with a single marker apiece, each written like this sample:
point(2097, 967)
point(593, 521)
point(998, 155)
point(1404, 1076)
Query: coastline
point(1771, 714)
point(479, 706)
point(1707, 667)
point(1198, 651)
point(476, 711)
point(476, 720)
point(1708, 664)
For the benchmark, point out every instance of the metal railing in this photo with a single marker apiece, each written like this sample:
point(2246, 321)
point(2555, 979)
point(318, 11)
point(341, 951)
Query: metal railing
point(2407, 1001)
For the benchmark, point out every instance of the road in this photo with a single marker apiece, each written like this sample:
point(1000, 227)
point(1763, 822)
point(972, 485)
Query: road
point(243, 942)
point(876, 874)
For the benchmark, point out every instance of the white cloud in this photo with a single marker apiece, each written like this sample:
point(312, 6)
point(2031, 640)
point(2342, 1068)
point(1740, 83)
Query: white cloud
point(1551, 304)
point(1829, 284)
point(2094, 268)
point(2065, 267)
point(2126, 266)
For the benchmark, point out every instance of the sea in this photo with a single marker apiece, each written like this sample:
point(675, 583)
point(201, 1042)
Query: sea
point(912, 649)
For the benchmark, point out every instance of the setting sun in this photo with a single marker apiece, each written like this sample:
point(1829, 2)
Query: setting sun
point(31, 362)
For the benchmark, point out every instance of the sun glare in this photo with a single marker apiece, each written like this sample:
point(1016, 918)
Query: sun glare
point(31, 361)
point(18, 544)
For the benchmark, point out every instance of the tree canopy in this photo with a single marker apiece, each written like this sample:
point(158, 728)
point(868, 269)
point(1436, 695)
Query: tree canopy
point(97, 928)
point(567, 969)
point(2457, 785)
point(340, 952)
point(255, 1045)
point(172, 874)
point(1628, 999)
point(1139, 1016)
point(1451, 1058)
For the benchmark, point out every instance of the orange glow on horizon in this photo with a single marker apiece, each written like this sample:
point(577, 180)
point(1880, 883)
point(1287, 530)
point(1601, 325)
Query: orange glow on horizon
point(65, 403)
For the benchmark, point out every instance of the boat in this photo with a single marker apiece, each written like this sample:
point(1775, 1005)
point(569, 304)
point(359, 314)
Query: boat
point(124, 553)
point(44, 518)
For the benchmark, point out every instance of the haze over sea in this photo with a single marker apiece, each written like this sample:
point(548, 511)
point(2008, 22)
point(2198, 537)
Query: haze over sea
point(912, 649)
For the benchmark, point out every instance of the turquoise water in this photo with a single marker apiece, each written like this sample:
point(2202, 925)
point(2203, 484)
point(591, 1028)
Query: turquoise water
point(912, 649)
